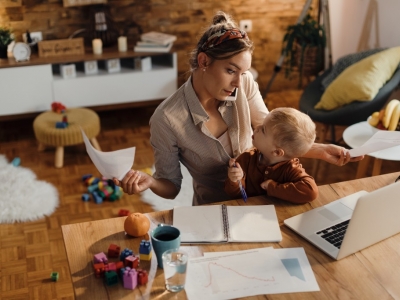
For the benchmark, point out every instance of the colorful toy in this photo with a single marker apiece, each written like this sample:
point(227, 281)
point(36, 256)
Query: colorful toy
point(142, 276)
point(132, 261)
point(85, 197)
point(110, 267)
point(125, 253)
point(111, 278)
point(16, 162)
point(54, 276)
point(145, 250)
point(100, 258)
point(123, 212)
point(130, 278)
point(99, 269)
point(57, 107)
point(113, 250)
point(101, 189)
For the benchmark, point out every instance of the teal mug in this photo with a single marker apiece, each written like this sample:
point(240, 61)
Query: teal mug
point(164, 237)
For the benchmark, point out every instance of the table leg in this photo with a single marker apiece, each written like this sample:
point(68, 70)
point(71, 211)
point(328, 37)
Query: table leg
point(59, 160)
point(376, 170)
point(362, 167)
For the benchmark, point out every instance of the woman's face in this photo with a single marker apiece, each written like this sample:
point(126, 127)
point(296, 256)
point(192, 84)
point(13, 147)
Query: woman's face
point(223, 76)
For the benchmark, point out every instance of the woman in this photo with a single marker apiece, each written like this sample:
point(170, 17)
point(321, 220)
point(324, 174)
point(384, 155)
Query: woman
point(201, 128)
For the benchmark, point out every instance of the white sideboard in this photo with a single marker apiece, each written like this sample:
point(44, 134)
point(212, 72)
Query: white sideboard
point(32, 88)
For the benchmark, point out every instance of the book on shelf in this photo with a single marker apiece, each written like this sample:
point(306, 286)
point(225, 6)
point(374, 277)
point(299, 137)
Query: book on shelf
point(222, 223)
point(158, 37)
point(153, 48)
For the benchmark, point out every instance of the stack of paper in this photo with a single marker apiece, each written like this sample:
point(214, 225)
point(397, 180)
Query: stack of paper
point(234, 274)
point(155, 42)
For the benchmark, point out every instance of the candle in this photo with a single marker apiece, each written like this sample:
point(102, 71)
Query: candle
point(122, 44)
point(97, 45)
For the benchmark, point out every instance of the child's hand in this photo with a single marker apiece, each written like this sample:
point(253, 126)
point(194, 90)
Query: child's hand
point(264, 185)
point(235, 172)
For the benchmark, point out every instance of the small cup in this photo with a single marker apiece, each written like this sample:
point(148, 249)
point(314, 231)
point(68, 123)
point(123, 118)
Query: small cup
point(175, 265)
point(163, 238)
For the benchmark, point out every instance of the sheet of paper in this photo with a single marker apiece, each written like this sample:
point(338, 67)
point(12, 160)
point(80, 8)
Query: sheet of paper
point(236, 274)
point(296, 264)
point(110, 164)
point(382, 139)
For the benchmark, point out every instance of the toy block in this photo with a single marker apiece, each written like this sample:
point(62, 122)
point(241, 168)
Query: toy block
point(110, 267)
point(99, 269)
point(125, 253)
point(54, 276)
point(145, 256)
point(111, 278)
point(111, 183)
point(119, 265)
point(92, 188)
point(130, 279)
point(86, 177)
point(114, 250)
point(145, 247)
point(123, 212)
point(85, 197)
point(101, 194)
point(142, 276)
point(61, 125)
point(132, 261)
point(122, 271)
point(96, 197)
point(16, 161)
point(100, 258)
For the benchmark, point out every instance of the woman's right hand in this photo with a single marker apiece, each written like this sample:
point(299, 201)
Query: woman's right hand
point(134, 182)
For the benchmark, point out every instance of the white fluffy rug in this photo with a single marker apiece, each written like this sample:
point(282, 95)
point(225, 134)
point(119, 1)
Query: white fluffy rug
point(184, 197)
point(22, 196)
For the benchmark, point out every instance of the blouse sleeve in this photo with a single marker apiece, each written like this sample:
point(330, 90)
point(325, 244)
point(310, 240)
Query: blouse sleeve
point(166, 152)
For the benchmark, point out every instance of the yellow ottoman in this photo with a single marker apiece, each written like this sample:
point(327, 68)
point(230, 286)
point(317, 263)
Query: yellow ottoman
point(47, 134)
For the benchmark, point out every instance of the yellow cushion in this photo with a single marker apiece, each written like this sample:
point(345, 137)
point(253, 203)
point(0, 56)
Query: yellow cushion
point(361, 81)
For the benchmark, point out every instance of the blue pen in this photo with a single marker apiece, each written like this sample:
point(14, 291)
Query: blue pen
point(242, 190)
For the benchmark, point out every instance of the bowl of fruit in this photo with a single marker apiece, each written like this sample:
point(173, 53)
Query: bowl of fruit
point(388, 118)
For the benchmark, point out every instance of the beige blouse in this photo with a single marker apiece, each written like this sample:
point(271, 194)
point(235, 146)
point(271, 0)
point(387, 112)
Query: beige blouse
point(179, 134)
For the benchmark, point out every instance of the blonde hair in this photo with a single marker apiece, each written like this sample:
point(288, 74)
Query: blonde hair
point(220, 22)
point(292, 130)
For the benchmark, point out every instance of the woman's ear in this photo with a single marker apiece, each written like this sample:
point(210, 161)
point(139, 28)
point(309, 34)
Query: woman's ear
point(202, 60)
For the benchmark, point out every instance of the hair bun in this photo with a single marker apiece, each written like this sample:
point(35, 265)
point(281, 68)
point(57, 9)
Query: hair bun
point(220, 18)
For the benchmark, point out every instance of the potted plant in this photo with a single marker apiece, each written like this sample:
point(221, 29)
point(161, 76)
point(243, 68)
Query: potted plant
point(303, 47)
point(6, 37)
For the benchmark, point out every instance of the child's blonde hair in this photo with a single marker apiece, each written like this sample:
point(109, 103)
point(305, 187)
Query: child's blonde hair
point(292, 130)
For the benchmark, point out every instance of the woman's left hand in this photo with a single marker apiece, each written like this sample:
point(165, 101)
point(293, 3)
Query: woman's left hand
point(333, 154)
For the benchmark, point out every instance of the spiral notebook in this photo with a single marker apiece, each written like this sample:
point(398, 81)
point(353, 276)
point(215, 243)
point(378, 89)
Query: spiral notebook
point(222, 223)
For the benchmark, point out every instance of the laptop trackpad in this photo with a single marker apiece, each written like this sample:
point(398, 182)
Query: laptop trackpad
point(335, 211)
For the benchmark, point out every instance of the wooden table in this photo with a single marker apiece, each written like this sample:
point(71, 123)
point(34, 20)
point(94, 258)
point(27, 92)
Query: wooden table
point(373, 273)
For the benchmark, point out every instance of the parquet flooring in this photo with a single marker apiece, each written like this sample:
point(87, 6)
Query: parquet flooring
point(30, 251)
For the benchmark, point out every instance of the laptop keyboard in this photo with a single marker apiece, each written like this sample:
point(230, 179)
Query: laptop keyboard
point(334, 234)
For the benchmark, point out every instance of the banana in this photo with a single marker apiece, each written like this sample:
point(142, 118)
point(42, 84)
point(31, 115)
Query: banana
point(388, 112)
point(374, 119)
point(394, 120)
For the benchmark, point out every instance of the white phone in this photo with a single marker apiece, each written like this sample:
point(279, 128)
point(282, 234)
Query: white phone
point(232, 96)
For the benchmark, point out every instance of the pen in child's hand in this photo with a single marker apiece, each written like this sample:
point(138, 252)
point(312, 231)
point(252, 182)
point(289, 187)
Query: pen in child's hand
point(242, 190)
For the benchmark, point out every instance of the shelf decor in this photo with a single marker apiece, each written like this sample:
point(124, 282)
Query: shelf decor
point(61, 47)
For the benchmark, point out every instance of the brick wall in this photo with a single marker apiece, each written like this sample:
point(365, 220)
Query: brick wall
point(184, 18)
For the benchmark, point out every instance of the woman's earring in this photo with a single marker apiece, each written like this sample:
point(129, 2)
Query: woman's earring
point(204, 69)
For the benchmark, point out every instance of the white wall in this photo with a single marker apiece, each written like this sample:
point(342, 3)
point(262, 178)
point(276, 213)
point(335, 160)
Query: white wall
point(363, 24)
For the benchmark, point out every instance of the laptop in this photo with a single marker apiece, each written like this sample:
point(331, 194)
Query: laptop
point(352, 223)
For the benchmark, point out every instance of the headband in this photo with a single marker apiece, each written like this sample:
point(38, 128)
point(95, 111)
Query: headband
point(223, 36)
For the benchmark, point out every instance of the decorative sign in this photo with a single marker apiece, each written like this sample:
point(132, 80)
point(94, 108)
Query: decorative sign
point(61, 47)
point(82, 2)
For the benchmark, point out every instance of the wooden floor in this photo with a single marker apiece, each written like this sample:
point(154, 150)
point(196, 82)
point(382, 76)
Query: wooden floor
point(30, 251)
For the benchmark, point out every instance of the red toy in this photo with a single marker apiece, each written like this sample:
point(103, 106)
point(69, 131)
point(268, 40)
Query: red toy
point(113, 250)
point(57, 107)
point(142, 277)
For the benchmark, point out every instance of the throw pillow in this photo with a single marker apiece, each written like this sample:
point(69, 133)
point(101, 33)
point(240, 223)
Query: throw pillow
point(346, 61)
point(361, 81)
